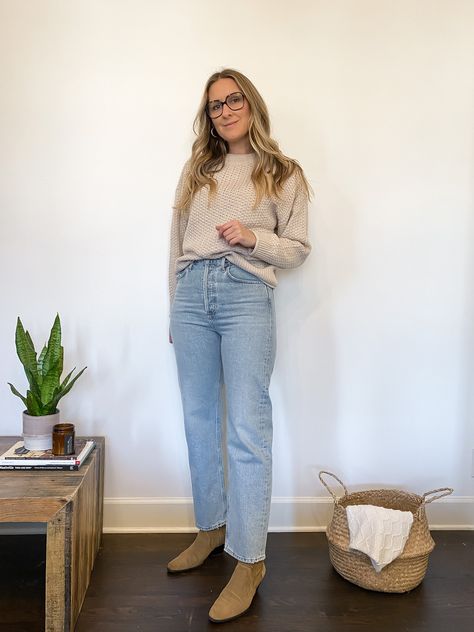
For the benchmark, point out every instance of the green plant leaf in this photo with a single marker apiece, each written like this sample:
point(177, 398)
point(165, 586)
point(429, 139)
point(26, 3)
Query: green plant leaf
point(66, 380)
point(15, 392)
point(56, 391)
point(25, 348)
point(50, 384)
point(33, 369)
point(32, 381)
point(53, 350)
point(60, 362)
point(33, 406)
point(41, 360)
point(30, 342)
point(66, 390)
point(49, 409)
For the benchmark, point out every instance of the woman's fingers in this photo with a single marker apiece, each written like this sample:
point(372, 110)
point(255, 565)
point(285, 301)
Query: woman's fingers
point(234, 232)
point(230, 230)
point(228, 226)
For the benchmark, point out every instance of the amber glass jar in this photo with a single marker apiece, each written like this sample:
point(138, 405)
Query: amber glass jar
point(63, 439)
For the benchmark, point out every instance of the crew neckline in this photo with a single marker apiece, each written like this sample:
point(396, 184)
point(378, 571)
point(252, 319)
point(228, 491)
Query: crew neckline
point(241, 156)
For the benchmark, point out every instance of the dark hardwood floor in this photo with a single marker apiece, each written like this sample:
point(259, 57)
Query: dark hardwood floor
point(130, 590)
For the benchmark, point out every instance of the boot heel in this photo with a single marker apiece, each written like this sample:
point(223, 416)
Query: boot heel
point(217, 550)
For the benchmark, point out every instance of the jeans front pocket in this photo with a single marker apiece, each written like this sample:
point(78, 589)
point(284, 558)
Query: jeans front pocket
point(181, 273)
point(241, 276)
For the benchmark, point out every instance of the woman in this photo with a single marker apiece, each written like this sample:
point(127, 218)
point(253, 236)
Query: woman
point(240, 212)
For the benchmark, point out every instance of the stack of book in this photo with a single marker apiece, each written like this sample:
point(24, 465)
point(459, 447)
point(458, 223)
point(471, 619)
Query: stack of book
point(17, 457)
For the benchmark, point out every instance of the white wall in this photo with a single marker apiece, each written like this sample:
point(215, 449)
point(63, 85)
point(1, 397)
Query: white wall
point(375, 361)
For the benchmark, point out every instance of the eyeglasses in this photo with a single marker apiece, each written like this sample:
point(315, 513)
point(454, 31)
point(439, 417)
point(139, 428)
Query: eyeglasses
point(234, 101)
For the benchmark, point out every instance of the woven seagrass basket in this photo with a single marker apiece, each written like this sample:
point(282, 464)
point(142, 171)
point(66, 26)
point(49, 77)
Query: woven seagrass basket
point(409, 568)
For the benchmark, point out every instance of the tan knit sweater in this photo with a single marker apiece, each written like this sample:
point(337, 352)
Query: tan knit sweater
point(280, 225)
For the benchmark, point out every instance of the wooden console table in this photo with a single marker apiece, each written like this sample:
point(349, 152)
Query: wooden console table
point(71, 503)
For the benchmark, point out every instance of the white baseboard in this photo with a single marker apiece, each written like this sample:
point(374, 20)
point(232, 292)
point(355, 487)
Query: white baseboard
point(175, 515)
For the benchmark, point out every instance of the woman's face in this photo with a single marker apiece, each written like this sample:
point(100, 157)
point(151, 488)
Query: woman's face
point(231, 125)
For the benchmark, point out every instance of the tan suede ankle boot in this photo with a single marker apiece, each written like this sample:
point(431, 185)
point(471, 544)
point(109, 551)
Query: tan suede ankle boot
point(237, 596)
point(205, 544)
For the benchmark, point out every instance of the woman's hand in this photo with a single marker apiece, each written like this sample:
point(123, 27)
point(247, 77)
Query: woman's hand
point(236, 233)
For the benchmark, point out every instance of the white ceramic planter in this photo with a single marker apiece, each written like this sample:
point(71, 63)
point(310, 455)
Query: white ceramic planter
point(38, 431)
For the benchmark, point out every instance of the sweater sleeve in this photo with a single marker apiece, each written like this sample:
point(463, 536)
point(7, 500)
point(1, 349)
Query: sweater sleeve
point(178, 227)
point(287, 246)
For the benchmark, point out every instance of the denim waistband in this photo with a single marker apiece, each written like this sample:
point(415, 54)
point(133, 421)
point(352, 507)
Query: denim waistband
point(221, 262)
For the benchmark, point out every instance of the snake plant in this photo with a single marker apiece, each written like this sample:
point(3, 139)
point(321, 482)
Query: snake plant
point(43, 373)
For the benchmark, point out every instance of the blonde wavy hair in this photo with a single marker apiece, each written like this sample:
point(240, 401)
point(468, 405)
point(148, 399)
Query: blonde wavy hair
point(272, 167)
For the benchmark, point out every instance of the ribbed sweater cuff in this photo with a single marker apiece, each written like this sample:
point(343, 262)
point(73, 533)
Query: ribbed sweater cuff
point(265, 246)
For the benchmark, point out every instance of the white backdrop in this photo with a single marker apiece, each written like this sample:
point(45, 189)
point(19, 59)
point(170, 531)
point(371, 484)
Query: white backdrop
point(374, 372)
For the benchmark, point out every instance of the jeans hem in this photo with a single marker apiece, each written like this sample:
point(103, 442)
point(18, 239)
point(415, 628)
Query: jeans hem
point(252, 560)
point(217, 526)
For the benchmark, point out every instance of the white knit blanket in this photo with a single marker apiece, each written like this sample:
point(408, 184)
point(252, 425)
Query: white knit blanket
point(378, 532)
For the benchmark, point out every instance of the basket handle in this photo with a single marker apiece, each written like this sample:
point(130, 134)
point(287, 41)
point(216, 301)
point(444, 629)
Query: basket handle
point(446, 491)
point(346, 493)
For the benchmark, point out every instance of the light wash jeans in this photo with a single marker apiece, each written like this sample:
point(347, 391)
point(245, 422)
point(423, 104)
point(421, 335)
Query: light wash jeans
point(223, 331)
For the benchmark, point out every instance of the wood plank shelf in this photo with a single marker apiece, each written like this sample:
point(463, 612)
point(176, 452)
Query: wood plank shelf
point(71, 505)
